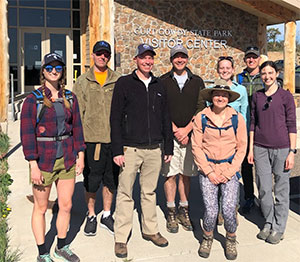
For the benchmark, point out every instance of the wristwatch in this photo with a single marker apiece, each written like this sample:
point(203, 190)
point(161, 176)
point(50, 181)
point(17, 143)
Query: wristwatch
point(293, 150)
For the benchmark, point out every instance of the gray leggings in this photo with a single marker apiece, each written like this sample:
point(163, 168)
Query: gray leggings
point(229, 193)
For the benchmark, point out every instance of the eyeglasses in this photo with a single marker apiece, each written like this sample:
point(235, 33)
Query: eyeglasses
point(49, 68)
point(252, 48)
point(267, 104)
point(229, 58)
point(106, 54)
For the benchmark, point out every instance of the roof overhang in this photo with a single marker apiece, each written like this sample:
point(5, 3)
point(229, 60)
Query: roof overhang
point(272, 11)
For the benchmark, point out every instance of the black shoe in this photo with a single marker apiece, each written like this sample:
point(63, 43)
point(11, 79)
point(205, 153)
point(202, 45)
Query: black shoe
point(90, 226)
point(248, 205)
point(108, 223)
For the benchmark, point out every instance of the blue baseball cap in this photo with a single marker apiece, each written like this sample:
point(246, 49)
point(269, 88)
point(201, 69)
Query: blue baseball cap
point(142, 48)
point(102, 45)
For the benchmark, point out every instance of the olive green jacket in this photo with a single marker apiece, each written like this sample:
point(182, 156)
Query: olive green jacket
point(94, 104)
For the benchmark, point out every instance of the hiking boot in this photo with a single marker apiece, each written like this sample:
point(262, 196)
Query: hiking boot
point(66, 254)
point(264, 233)
point(172, 224)
point(248, 205)
point(120, 250)
point(274, 237)
point(108, 223)
point(44, 258)
point(205, 247)
point(220, 220)
point(230, 248)
point(184, 219)
point(157, 239)
point(90, 227)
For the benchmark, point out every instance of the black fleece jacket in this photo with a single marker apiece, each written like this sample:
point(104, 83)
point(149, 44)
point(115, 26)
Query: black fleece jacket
point(139, 117)
point(183, 104)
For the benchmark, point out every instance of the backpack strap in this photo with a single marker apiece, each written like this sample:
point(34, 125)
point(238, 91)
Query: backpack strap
point(204, 122)
point(69, 97)
point(40, 108)
point(240, 78)
point(234, 121)
point(234, 124)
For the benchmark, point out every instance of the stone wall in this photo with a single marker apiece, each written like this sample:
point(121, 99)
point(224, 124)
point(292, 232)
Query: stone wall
point(208, 28)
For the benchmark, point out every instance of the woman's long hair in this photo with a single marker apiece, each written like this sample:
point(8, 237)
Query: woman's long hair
point(61, 84)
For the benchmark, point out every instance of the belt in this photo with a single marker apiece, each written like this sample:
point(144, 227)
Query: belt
point(149, 146)
point(227, 160)
point(53, 138)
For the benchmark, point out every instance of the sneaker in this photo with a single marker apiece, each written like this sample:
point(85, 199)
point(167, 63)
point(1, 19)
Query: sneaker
point(274, 237)
point(248, 205)
point(90, 226)
point(157, 239)
point(205, 247)
point(172, 224)
point(230, 248)
point(120, 250)
point(108, 223)
point(264, 233)
point(66, 254)
point(44, 258)
point(184, 219)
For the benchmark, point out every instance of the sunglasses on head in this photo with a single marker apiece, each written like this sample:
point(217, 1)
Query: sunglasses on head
point(267, 104)
point(106, 54)
point(252, 48)
point(229, 58)
point(49, 68)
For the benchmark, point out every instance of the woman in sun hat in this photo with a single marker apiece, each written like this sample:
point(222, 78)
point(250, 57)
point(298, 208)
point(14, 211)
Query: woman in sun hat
point(219, 144)
point(52, 140)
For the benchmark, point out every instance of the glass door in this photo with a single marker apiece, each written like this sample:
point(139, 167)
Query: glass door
point(34, 45)
point(60, 42)
point(32, 49)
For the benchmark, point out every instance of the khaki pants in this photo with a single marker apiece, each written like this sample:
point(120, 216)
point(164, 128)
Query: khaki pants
point(149, 163)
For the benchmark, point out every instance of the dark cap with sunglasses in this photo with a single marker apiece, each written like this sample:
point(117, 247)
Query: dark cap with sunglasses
point(252, 50)
point(51, 57)
point(102, 46)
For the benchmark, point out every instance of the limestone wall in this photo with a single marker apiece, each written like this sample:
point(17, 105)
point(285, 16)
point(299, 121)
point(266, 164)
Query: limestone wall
point(208, 28)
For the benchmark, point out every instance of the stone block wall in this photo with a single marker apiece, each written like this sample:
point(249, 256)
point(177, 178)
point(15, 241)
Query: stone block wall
point(208, 28)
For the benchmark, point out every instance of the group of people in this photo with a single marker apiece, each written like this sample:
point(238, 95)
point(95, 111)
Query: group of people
point(113, 127)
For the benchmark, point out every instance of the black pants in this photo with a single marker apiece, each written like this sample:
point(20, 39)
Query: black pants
point(247, 175)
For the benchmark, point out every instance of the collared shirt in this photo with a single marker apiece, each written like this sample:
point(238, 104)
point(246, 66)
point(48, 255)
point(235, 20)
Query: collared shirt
point(219, 144)
point(44, 152)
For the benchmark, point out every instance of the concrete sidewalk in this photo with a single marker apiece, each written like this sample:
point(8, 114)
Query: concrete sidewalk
point(183, 246)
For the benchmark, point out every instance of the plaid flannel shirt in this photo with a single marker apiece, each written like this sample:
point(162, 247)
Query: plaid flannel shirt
point(44, 152)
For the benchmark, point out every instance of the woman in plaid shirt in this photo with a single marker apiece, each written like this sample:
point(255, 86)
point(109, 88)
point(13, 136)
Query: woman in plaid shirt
point(52, 140)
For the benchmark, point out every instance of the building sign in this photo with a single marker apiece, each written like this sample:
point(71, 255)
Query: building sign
point(192, 39)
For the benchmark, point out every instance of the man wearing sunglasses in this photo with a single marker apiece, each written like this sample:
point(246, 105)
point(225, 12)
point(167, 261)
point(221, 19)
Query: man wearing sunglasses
point(250, 78)
point(184, 102)
point(94, 91)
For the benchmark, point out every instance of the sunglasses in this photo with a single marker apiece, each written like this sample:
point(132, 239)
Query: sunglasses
point(252, 48)
point(106, 54)
point(229, 58)
point(49, 68)
point(267, 104)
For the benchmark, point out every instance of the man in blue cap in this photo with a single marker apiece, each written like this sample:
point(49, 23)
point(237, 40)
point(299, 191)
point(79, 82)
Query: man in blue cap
point(140, 126)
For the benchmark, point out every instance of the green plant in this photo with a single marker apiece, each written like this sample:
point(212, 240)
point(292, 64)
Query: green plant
point(6, 254)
